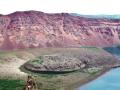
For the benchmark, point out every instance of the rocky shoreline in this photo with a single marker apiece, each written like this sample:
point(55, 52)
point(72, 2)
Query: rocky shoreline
point(71, 61)
point(92, 77)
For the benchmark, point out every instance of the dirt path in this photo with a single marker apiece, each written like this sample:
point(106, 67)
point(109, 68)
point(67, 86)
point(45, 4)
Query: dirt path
point(11, 69)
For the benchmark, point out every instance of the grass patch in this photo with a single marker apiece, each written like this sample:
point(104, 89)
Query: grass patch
point(91, 48)
point(6, 84)
point(37, 61)
point(93, 70)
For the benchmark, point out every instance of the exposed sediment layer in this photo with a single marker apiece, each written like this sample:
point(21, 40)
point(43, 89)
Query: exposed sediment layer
point(31, 29)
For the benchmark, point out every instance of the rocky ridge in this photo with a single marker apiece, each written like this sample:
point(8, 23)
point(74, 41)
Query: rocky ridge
point(31, 29)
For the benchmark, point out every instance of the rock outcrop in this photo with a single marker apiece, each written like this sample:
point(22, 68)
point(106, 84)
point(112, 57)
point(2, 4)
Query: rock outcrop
point(71, 60)
point(31, 29)
point(55, 63)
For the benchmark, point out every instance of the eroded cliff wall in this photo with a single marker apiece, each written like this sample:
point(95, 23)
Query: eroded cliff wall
point(32, 29)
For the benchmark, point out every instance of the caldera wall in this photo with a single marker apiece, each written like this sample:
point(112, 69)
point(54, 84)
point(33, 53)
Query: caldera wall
point(31, 29)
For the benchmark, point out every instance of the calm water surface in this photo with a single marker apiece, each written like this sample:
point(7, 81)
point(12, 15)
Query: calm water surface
point(108, 81)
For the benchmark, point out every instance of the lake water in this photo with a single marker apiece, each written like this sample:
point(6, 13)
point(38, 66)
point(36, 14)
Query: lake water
point(108, 81)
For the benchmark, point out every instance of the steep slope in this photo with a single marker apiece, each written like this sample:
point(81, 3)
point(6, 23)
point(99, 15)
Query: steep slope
point(32, 29)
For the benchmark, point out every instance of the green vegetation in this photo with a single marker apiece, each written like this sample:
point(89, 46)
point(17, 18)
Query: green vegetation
point(91, 48)
point(6, 84)
point(37, 61)
point(93, 70)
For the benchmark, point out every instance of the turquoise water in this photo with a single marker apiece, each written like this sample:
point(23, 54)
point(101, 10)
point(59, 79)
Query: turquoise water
point(114, 50)
point(108, 81)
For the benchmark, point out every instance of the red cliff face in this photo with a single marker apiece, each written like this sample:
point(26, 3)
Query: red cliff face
point(32, 29)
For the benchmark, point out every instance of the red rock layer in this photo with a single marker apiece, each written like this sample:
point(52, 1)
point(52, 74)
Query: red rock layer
point(32, 29)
